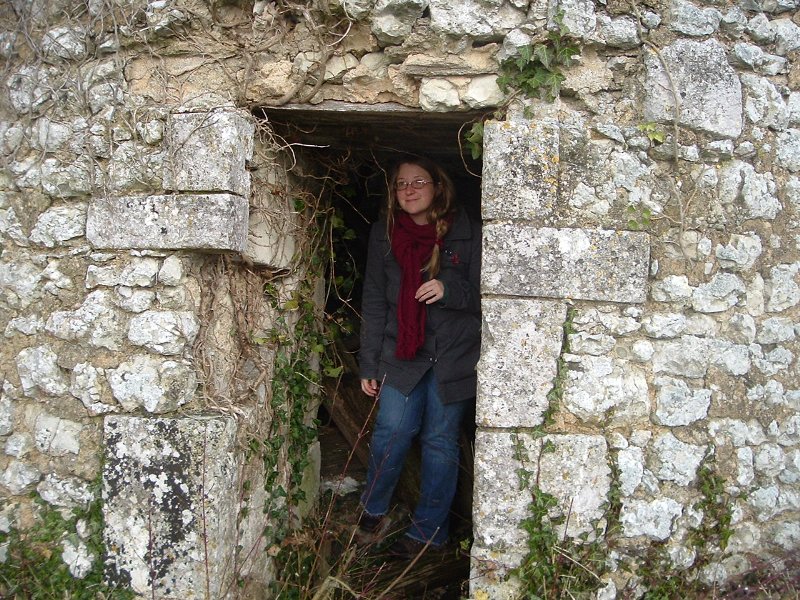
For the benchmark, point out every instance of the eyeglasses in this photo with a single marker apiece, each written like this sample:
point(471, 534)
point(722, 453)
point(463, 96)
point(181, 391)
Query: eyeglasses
point(417, 184)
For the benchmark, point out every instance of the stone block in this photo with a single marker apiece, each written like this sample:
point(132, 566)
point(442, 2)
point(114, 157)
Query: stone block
point(209, 152)
point(574, 470)
point(273, 223)
point(581, 264)
point(154, 384)
point(522, 340)
point(201, 222)
point(475, 18)
point(170, 499)
point(520, 169)
point(606, 391)
point(709, 89)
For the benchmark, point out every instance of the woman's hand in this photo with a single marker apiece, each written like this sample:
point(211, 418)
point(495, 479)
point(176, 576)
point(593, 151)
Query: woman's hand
point(370, 387)
point(430, 291)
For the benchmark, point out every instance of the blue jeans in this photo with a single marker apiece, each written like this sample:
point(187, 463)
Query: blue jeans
point(399, 419)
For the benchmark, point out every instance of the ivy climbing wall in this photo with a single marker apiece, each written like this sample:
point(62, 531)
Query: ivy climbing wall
point(160, 280)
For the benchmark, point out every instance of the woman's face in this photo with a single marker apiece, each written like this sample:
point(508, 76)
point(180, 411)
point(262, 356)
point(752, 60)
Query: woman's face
point(415, 202)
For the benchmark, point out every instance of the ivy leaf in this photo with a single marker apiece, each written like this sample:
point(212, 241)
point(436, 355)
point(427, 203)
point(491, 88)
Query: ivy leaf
point(564, 54)
point(331, 371)
point(475, 140)
point(525, 54)
point(544, 55)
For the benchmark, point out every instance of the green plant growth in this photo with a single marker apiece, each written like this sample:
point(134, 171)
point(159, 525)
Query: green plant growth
point(653, 132)
point(712, 535)
point(304, 339)
point(474, 140)
point(535, 72)
point(555, 566)
point(715, 529)
point(556, 393)
point(639, 217)
point(34, 568)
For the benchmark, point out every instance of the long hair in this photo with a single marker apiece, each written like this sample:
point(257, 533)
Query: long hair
point(441, 209)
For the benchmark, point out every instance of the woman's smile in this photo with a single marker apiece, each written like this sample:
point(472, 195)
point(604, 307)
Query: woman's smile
point(415, 202)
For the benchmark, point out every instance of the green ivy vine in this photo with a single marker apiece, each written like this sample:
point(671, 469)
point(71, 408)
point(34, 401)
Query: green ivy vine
point(33, 568)
point(535, 72)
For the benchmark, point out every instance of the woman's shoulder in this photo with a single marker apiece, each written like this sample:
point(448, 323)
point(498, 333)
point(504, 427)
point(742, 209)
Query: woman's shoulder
point(464, 226)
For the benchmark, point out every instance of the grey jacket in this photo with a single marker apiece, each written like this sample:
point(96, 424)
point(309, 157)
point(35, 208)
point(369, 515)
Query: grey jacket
point(452, 332)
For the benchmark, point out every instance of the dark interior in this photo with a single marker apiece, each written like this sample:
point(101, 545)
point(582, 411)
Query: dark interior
point(362, 142)
point(356, 145)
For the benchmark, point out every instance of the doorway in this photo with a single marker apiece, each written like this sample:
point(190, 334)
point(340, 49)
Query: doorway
point(355, 145)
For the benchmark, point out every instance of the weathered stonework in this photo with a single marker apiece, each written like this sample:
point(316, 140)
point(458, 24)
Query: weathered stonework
point(209, 151)
point(161, 487)
point(500, 457)
point(519, 336)
point(209, 222)
point(523, 181)
point(640, 278)
point(581, 264)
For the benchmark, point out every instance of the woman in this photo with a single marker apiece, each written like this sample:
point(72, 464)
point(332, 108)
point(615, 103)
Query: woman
point(420, 341)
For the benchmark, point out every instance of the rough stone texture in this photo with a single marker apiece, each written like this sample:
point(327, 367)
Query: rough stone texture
point(478, 19)
point(675, 460)
point(520, 175)
point(688, 19)
point(19, 477)
point(161, 486)
point(38, 370)
point(154, 108)
point(438, 95)
point(677, 404)
point(59, 224)
point(209, 151)
point(56, 436)
point(654, 519)
point(787, 152)
point(136, 272)
point(519, 336)
point(392, 20)
point(203, 222)
point(576, 472)
point(745, 189)
point(65, 492)
point(96, 321)
point(602, 390)
point(711, 95)
point(586, 264)
point(163, 332)
point(759, 61)
point(154, 384)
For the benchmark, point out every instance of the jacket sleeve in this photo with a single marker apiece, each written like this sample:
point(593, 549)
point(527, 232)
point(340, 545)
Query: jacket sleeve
point(460, 293)
point(373, 305)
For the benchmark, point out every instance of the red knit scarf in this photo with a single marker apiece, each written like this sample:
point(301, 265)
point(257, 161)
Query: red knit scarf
point(412, 246)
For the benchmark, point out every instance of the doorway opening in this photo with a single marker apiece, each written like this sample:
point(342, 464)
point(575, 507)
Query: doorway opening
point(363, 141)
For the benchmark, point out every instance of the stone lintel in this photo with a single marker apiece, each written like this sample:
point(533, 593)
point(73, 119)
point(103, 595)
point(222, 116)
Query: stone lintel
point(522, 340)
point(468, 64)
point(574, 470)
point(580, 264)
point(202, 222)
point(520, 169)
point(170, 503)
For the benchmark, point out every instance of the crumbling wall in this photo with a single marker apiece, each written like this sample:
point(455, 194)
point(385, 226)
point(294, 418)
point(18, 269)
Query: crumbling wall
point(640, 275)
point(139, 344)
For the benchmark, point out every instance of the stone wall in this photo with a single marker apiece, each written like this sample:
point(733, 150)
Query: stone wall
point(641, 251)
